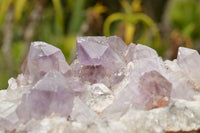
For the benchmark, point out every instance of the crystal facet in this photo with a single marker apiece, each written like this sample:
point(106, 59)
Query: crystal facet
point(155, 89)
point(49, 95)
point(100, 51)
point(189, 61)
point(43, 58)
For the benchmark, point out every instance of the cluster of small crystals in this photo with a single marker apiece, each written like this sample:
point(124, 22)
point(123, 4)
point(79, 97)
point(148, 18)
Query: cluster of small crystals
point(107, 79)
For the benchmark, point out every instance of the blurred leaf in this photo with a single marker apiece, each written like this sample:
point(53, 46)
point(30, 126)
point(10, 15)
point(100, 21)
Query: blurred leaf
point(129, 33)
point(17, 48)
point(140, 17)
point(68, 47)
point(144, 38)
point(70, 4)
point(77, 16)
point(69, 43)
point(4, 6)
point(19, 6)
point(184, 12)
point(126, 6)
point(136, 5)
point(134, 19)
point(3, 74)
point(4, 80)
point(59, 12)
point(189, 29)
point(185, 16)
point(99, 8)
point(109, 20)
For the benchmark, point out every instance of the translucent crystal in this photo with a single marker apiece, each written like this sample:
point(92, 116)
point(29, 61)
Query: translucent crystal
point(155, 89)
point(129, 52)
point(43, 58)
point(49, 95)
point(141, 51)
point(92, 74)
point(98, 97)
point(82, 113)
point(117, 44)
point(91, 49)
point(189, 61)
point(183, 88)
point(8, 116)
point(100, 51)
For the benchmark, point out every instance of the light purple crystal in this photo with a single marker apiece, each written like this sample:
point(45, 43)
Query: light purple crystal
point(183, 88)
point(129, 52)
point(92, 74)
point(50, 95)
point(136, 52)
point(152, 91)
point(43, 58)
point(189, 61)
point(82, 113)
point(117, 44)
point(155, 89)
point(100, 51)
point(91, 49)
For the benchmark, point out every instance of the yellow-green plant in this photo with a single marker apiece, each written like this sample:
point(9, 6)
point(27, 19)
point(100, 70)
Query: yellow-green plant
point(19, 7)
point(131, 17)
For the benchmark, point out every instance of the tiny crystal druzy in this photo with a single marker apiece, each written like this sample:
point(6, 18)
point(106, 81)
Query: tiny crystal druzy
point(110, 87)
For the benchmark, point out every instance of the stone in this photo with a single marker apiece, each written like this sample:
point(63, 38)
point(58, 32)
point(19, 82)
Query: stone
point(98, 97)
point(82, 113)
point(183, 88)
point(117, 44)
point(110, 87)
point(142, 51)
point(100, 51)
point(129, 52)
point(91, 49)
point(187, 59)
point(155, 89)
point(43, 58)
point(49, 95)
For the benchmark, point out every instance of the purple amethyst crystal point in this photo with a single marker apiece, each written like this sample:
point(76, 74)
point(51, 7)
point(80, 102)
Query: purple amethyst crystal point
point(183, 87)
point(189, 61)
point(155, 89)
point(91, 49)
point(49, 95)
point(98, 51)
point(117, 44)
point(82, 113)
point(129, 52)
point(142, 51)
point(43, 58)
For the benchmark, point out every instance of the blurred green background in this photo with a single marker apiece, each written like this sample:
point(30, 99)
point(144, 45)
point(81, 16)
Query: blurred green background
point(161, 24)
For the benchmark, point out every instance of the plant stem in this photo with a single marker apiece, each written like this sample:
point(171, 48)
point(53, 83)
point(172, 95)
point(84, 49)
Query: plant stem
point(7, 41)
point(77, 17)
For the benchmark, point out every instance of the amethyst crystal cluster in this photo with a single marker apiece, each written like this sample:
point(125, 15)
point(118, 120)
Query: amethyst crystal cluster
point(110, 87)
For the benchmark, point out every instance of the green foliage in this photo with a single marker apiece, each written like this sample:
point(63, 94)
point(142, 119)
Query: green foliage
point(19, 7)
point(77, 16)
point(4, 5)
point(185, 16)
point(59, 13)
